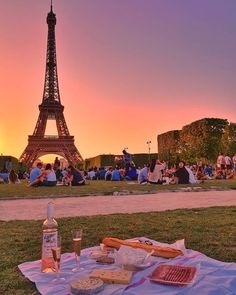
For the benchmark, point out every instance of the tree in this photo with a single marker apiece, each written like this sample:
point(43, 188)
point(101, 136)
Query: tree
point(200, 140)
point(168, 146)
point(228, 142)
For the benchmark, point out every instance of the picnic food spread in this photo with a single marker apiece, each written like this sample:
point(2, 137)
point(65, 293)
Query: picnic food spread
point(112, 276)
point(165, 252)
point(173, 274)
point(87, 286)
point(105, 260)
point(189, 273)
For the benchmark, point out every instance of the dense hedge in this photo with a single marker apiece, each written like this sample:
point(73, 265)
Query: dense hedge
point(200, 140)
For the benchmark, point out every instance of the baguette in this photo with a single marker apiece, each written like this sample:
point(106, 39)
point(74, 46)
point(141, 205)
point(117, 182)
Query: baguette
point(165, 252)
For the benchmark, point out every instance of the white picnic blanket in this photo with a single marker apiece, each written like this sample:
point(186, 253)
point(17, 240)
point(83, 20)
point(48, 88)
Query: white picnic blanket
point(213, 277)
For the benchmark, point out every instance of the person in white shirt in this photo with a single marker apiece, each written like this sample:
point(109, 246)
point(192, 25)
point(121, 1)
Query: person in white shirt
point(220, 162)
point(234, 162)
point(192, 179)
point(91, 174)
point(155, 172)
point(228, 162)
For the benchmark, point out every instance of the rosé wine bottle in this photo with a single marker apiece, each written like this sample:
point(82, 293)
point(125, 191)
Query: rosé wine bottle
point(49, 240)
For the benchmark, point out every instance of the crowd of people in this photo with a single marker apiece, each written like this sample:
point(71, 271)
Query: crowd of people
point(155, 172)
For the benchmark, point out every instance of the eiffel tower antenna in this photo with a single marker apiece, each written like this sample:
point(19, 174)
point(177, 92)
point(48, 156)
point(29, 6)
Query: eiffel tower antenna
point(51, 108)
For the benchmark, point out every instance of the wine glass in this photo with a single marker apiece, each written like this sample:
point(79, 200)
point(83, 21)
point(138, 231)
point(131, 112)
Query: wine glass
point(56, 254)
point(76, 238)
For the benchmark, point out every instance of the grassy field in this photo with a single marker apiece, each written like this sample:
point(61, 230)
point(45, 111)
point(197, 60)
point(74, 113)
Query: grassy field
point(102, 188)
point(211, 231)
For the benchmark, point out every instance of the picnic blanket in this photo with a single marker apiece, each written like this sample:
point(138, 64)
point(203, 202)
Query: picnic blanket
point(213, 277)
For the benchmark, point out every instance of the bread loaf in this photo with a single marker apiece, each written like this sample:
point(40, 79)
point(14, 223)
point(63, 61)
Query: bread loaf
point(165, 252)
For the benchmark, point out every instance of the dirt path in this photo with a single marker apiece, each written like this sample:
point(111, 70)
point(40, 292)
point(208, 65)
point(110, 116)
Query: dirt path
point(75, 206)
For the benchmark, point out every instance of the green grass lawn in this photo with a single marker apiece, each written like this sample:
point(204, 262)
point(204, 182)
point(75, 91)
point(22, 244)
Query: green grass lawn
point(102, 188)
point(211, 231)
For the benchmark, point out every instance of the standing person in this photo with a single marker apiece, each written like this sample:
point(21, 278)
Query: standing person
point(8, 165)
point(220, 162)
point(35, 172)
point(58, 172)
point(228, 162)
point(234, 162)
point(155, 172)
point(127, 159)
point(182, 174)
point(57, 162)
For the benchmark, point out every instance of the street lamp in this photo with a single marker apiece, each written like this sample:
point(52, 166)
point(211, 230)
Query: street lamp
point(149, 149)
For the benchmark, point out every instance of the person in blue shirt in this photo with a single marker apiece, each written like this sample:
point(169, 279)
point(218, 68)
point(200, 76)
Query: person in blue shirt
point(101, 173)
point(115, 176)
point(132, 173)
point(208, 170)
point(35, 172)
point(4, 176)
point(143, 175)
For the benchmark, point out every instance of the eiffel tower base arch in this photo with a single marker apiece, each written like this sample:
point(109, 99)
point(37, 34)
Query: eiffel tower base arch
point(61, 145)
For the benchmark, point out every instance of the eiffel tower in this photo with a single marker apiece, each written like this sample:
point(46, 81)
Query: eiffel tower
point(51, 108)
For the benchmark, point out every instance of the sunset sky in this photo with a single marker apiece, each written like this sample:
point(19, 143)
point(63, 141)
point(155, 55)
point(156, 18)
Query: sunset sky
point(128, 69)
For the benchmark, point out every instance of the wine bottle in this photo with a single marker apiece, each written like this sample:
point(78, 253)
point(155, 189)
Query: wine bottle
point(49, 240)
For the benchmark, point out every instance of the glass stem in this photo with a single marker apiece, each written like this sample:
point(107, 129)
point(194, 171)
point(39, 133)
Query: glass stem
point(77, 258)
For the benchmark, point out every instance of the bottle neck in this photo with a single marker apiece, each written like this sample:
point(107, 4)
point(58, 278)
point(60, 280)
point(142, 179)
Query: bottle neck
point(50, 211)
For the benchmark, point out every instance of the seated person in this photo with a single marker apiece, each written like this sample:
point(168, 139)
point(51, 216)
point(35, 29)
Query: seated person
point(115, 176)
point(101, 173)
point(201, 176)
point(132, 173)
point(143, 175)
point(208, 171)
point(35, 172)
point(108, 174)
point(74, 176)
point(46, 178)
point(230, 174)
point(220, 174)
point(1, 180)
point(92, 174)
point(155, 172)
point(182, 174)
point(4, 176)
point(192, 178)
point(13, 177)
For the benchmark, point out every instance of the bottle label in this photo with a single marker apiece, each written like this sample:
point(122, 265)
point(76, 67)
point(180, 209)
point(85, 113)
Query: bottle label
point(49, 242)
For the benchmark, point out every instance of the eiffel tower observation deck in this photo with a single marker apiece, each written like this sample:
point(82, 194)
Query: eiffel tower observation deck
point(51, 108)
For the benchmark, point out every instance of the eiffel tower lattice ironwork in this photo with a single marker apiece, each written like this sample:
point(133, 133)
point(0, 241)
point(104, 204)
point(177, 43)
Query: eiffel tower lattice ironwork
point(51, 108)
